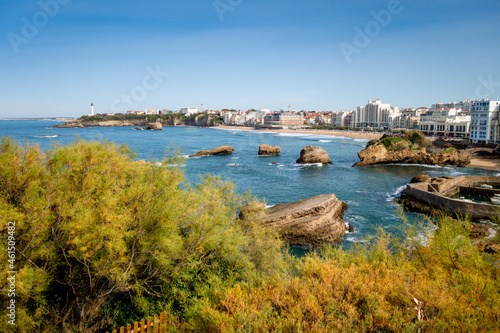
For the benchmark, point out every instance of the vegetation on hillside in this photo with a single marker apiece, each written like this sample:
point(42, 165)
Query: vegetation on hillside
point(103, 241)
point(405, 140)
point(133, 116)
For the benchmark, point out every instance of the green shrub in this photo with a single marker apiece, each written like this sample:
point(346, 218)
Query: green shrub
point(100, 236)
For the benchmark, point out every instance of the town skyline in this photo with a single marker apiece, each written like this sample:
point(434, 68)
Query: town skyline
point(60, 55)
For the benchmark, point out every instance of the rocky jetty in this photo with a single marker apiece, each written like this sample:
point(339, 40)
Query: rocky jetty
point(223, 150)
point(313, 154)
point(379, 154)
point(154, 126)
point(267, 150)
point(313, 221)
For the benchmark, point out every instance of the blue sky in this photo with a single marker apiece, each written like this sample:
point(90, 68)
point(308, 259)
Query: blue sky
point(243, 54)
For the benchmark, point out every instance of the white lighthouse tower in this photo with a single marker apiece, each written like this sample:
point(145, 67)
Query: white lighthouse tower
point(92, 108)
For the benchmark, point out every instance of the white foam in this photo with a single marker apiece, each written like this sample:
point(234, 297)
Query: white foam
point(397, 193)
point(325, 141)
point(309, 165)
point(301, 135)
point(48, 136)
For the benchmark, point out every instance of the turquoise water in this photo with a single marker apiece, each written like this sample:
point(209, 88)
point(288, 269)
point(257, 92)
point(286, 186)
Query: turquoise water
point(367, 190)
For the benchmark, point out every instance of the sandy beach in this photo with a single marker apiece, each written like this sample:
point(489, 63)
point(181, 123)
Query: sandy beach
point(484, 163)
point(348, 134)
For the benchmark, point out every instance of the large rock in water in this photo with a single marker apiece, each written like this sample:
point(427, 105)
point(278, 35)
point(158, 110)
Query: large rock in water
point(223, 150)
point(154, 126)
point(313, 221)
point(378, 154)
point(313, 154)
point(267, 150)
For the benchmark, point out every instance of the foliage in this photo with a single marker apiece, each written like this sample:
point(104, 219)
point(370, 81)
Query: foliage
point(418, 138)
point(436, 282)
point(101, 238)
point(141, 117)
point(449, 150)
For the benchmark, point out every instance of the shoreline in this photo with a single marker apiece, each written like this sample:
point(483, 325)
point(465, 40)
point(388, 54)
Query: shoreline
point(347, 134)
point(482, 163)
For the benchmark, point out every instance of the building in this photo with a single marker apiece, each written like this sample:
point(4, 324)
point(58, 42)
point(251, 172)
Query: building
point(290, 119)
point(485, 124)
point(445, 122)
point(375, 115)
point(151, 111)
point(462, 105)
point(188, 110)
point(283, 119)
point(342, 118)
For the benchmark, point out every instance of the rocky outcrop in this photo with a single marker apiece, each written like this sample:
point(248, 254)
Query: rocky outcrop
point(428, 179)
point(154, 126)
point(223, 150)
point(267, 150)
point(138, 128)
point(313, 154)
point(203, 120)
point(378, 154)
point(313, 221)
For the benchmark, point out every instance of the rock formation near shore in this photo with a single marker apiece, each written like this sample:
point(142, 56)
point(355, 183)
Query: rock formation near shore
point(267, 150)
point(313, 221)
point(154, 126)
point(378, 154)
point(313, 154)
point(223, 150)
point(428, 179)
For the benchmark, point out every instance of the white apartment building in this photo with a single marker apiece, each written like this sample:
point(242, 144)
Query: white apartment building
point(151, 111)
point(339, 118)
point(485, 121)
point(462, 105)
point(375, 114)
point(188, 110)
point(445, 122)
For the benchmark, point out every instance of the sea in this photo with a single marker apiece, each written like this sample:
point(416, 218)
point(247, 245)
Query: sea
point(368, 191)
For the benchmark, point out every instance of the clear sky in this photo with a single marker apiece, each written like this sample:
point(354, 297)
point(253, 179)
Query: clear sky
point(58, 56)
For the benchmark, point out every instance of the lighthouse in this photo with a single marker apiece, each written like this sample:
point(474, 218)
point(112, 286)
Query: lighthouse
point(92, 108)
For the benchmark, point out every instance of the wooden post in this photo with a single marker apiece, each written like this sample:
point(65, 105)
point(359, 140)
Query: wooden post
point(129, 328)
point(149, 325)
point(162, 322)
point(156, 324)
point(122, 329)
point(136, 327)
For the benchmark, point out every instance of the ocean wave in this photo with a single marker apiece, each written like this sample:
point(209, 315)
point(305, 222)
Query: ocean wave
point(233, 164)
point(48, 136)
point(325, 141)
point(392, 196)
point(300, 135)
point(310, 165)
point(361, 140)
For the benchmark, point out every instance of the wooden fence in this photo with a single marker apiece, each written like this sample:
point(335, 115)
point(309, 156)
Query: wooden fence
point(155, 325)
